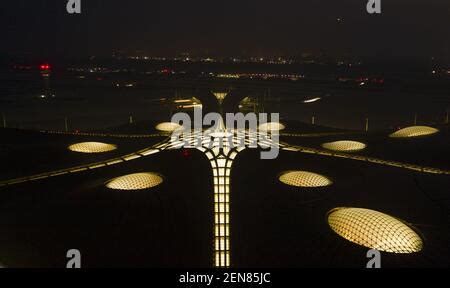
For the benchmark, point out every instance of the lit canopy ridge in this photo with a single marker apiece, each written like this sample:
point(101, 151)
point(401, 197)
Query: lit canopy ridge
point(168, 126)
point(344, 145)
point(304, 179)
point(92, 147)
point(375, 230)
point(137, 181)
point(271, 126)
point(414, 131)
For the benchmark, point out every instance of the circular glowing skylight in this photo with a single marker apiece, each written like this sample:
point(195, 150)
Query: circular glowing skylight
point(137, 181)
point(375, 230)
point(271, 126)
point(304, 179)
point(344, 146)
point(168, 126)
point(92, 147)
point(414, 131)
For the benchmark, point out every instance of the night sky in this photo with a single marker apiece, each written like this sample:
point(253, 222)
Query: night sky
point(223, 28)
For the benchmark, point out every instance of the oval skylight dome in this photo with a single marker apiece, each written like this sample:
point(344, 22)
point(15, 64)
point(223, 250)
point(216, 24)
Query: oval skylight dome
point(304, 179)
point(92, 147)
point(344, 145)
point(414, 131)
point(375, 230)
point(271, 126)
point(137, 181)
point(168, 126)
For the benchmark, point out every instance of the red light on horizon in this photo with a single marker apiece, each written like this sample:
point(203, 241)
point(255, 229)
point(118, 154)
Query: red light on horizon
point(45, 67)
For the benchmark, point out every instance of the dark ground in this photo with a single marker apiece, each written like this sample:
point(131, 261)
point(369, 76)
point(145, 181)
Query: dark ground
point(272, 225)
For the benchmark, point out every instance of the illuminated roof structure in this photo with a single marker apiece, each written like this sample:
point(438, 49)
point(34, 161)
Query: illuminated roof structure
point(220, 95)
point(271, 126)
point(304, 179)
point(221, 154)
point(414, 131)
point(361, 226)
point(344, 145)
point(375, 230)
point(137, 181)
point(168, 126)
point(92, 147)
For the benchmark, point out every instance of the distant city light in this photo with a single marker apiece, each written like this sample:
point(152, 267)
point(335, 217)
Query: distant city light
point(45, 67)
point(312, 100)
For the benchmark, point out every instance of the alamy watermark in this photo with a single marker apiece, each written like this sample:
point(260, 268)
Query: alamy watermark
point(375, 259)
point(237, 131)
point(73, 6)
point(374, 7)
point(74, 256)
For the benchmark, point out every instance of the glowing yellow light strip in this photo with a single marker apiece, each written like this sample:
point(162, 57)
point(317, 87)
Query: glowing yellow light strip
point(90, 166)
point(103, 134)
point(422, 169)
point(221, 172)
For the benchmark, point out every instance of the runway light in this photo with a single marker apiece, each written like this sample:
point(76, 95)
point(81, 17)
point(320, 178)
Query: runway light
point(92, 147)
point(414, 131)
point(137, 181)
point(344, 145)
point(375, 230)
point(304, 179)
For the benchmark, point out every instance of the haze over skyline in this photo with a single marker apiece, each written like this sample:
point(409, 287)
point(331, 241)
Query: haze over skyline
point(254, 28)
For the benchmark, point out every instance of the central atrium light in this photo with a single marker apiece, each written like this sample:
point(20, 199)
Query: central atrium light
point(137, 181)
point(414, 131)
point(345, 145)
point(304, 179)
point(92, 147)
point(375, 230)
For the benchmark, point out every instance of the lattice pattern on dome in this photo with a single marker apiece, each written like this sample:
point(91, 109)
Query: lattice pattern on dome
point(414, 131)
point(344, 145)
point(92, 147)
point(137, 181)
point(168, 127)
point(304, 179)
point(375, 230)
point(271, 126)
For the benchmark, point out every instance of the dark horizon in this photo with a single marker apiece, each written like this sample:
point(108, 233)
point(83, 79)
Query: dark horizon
point(255, 28)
